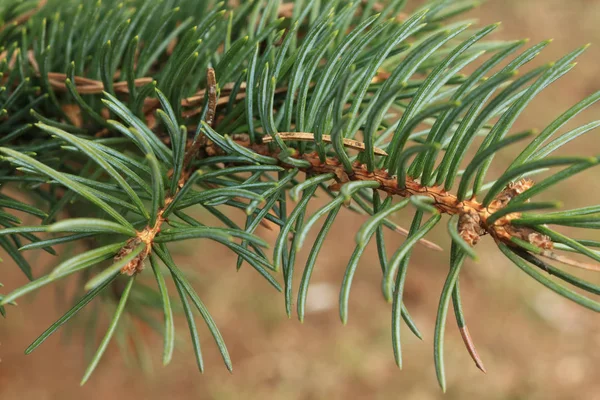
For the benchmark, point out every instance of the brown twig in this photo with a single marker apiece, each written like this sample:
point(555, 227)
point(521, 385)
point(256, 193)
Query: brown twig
point(212, 99)
point(91, 86)
point(470, 210)
point(212, 94)
point(310, 137)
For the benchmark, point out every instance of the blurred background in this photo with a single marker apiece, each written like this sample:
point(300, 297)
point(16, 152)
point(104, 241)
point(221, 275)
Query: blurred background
point(534, 344)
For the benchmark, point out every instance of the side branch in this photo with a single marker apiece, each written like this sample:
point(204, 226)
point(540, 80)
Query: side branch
point(473, 215)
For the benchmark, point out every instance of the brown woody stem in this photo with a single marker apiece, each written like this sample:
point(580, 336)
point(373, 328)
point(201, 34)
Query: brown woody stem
point(473, 215)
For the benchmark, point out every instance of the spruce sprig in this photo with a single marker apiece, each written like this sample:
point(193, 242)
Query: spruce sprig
point(117, 117)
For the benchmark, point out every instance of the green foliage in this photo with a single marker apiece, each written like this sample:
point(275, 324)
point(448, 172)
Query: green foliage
point(119, 117)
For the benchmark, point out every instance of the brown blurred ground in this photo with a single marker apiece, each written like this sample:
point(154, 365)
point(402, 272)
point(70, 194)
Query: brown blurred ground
point(535, 345)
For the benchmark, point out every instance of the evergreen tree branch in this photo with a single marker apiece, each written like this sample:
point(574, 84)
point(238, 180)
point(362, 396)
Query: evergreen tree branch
point(133, 114)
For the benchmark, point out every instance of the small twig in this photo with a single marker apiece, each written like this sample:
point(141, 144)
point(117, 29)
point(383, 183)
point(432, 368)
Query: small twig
point(223, 100)
point(200, 141)
point(212, 94)
point(90, 86)
point(442, 200)
point(310, 137)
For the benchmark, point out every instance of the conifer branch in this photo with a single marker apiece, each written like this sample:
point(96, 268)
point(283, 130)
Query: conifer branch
point(131, 114)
